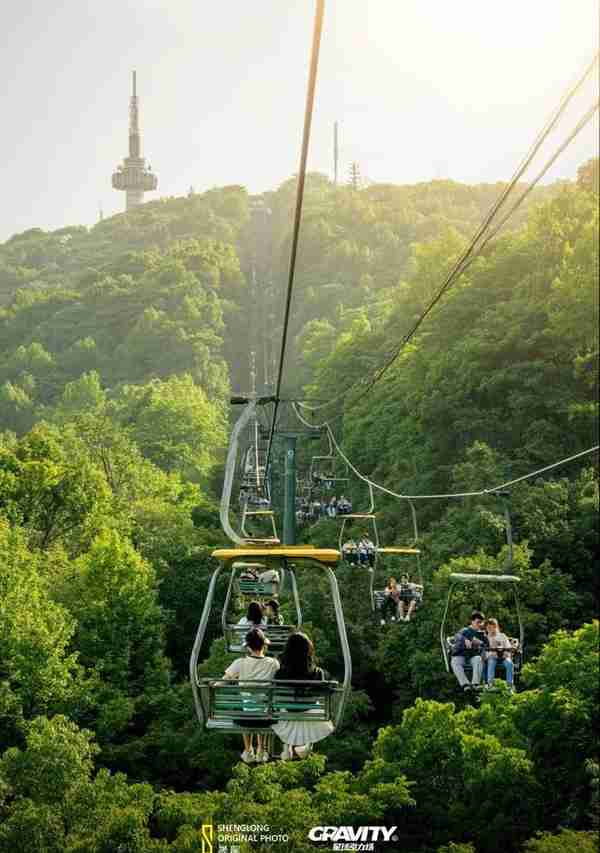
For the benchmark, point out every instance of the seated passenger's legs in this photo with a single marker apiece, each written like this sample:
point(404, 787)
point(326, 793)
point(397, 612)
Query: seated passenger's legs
point(411, 608)
point(477, 664)
point(491, 670)
point(388, 606)
point(457, 663)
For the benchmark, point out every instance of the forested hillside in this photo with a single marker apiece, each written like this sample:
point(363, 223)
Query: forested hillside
point(119, 348)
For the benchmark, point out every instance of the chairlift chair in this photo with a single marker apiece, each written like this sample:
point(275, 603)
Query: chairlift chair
point(229, 706)
point(517, 643)
point(366, 517)
point(323, 469)
point(248, 590)
point(415, 590)
point(262, 515)
point(474, 578)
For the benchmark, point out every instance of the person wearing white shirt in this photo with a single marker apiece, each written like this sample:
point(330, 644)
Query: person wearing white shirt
point(270, 576)
point(253, 667)
point(499, 652)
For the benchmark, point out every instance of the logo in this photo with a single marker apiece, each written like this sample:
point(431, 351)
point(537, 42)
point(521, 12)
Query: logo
point(353, 838)
point(208, 835)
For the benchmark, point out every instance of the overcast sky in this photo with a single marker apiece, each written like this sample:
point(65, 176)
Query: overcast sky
point(421, 88)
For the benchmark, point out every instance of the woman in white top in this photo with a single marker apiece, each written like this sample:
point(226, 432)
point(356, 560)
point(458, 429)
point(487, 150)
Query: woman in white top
point(500, 651)
point(254, 667)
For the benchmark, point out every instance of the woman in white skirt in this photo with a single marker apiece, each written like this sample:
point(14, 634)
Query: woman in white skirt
point(297, 663)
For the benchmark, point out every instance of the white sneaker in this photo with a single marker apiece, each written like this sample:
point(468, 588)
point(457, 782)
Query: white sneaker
point(382, 622)
point(393, 618)
point(261, 756)
point(285, 754)
point(248, 756)
point(303, 751)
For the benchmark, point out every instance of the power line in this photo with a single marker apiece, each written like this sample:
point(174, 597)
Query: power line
point(583, 121)
point(469, 254)
point(308, 112)
point(372, 484)
point(479, 240)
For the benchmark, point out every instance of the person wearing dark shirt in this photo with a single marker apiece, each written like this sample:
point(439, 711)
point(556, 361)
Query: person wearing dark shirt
point(469, 645)
point(390, 602)
point(273, 615)
point(297, 663)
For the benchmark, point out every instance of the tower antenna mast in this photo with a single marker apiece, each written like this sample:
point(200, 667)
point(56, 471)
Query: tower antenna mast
point(133, 176)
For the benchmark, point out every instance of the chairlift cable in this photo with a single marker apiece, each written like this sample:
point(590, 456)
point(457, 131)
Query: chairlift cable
point(474, 249)
point(308, 113)
point(578, 127)
point(479, 493)
point(479, 240)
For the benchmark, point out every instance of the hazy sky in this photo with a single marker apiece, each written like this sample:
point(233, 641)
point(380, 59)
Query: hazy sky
point(421, 88)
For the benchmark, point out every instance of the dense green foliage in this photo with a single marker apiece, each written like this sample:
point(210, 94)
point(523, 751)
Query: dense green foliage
point(119, 346)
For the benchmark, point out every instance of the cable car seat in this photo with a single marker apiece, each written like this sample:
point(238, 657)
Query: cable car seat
point(256, 588)
point(253, 705)
point(415, 593)
point(277, 635)
point(515, 650)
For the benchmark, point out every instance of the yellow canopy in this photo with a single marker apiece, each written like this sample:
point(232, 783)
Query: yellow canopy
point(356, 515)
point(329, 556)
point(393, 550)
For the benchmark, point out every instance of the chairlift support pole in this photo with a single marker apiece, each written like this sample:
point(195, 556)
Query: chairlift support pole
point(289, 488)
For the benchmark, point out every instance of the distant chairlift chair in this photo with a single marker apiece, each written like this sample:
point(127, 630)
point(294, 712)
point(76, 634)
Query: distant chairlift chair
point(414, 591)
point(473, 578)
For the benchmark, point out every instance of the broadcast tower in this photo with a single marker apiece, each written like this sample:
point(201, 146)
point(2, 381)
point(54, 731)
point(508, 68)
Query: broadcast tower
point(133, 176)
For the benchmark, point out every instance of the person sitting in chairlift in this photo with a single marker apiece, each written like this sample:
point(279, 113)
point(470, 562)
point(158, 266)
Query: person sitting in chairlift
point(249, 573)
point(270, 576)
point(499, 652)
point(254, 615)
point(470, 644)
point(350, 551)
point(344, 505)
point(391, 598)
point(273, 615)
point(297, 663)
point(407, 599)
point(254, 667)
point(366, 550)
